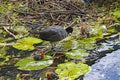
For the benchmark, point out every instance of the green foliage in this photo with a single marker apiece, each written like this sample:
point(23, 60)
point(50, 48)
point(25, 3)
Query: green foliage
point(96, 29)
point(66, 71)
point(87, 43)
point(26, 43)
point(3, 52)
point(111, 30)
point(116, 13)
point(87, 40)
point(76, 54)
point(5, 39)
point(9, 6)
point(66, 45)
point(71, 71)
point(96, 32)
point(6, 7)
point(29, 63)
point(84, 43)
point(116, 4)
point(8, 14)
point(75, 44)
point(111, 48)
point(1, 31)
point(19, 29)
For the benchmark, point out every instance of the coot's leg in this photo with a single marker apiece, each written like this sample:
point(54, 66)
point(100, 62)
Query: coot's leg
point(53, 45)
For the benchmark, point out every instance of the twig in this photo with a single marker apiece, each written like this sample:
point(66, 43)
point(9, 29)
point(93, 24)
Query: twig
point(9, 32)
point(5, 25)
point(48, 12)
point(6, 44)
point(70, 25)
point(25, 13)
point(51, 16)
point(58, 17)
point(27, 5)
point(59, 21)
point(81, 11)
point(76, 7)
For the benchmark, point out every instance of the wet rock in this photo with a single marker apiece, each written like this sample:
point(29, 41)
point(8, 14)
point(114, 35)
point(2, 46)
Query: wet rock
point(109, 46)
point(106, 47)
point(115, 36)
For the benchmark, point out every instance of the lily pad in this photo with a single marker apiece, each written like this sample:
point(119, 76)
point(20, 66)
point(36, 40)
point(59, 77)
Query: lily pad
point(29, 63)
point(71, 44)
point(88, 43)
point(71, 71)
point(77, 54)
point(75, 44)
point(66, 45)
point(26, 43)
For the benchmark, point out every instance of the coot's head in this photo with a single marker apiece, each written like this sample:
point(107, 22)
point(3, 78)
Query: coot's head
point(69, 30)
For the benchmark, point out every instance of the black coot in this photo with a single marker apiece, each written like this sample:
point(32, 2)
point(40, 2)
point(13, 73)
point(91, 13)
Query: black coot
point(55, 33)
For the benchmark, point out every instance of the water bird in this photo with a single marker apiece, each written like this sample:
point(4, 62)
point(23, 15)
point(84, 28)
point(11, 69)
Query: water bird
point(55, 33)
point(84, 31)
point(52, 76)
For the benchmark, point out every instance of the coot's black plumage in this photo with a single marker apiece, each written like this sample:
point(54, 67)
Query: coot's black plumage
point(55, 33)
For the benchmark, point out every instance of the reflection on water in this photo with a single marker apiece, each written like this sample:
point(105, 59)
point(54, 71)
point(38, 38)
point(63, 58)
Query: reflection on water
point(107, 68)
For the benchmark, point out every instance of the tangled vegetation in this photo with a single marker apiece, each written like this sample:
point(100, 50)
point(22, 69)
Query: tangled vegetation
point(19, 20)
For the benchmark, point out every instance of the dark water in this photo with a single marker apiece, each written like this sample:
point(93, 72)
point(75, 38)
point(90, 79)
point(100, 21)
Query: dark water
point(107, 68)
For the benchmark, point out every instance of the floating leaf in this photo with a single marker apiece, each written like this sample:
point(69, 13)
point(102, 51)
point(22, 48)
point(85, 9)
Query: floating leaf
point(32, 40)
point(87, 40)
point(66, 45)
point(26, 43)
point(88, 43)
point(75, 45)
point(76, 54)
point(71, 44)
point(71, 71)
point(18, 29)
point(29, 63)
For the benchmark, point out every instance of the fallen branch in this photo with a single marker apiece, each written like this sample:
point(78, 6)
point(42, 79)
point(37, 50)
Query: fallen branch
point(5, 25)
point(9, 31)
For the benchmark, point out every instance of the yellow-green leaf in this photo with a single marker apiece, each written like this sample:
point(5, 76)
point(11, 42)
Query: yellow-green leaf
point(26, 43)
